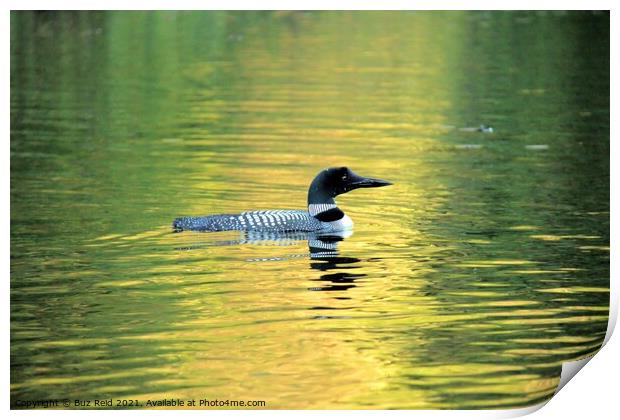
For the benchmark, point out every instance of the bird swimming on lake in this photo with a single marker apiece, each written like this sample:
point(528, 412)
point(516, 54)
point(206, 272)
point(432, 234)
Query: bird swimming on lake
point(323, 215)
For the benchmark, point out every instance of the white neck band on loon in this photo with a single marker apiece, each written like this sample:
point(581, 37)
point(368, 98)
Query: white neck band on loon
point(325, 212)
point(315, 209)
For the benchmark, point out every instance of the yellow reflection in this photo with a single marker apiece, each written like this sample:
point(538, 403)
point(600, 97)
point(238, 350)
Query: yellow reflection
point(560, 237)
point(575, 290)
point(524, 227)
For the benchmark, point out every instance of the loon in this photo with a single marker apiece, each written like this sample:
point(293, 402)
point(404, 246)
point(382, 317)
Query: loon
point(323, 215)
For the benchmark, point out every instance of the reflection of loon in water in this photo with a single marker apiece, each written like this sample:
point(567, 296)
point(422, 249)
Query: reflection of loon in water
point(319, 245)
point(323, 215)
point(323, 251)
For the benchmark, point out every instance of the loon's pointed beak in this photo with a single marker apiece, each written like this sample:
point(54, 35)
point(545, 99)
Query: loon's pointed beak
point(362, 182)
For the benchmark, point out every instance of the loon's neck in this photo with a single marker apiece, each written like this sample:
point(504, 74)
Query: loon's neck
point(319, 206)
point(326, 211)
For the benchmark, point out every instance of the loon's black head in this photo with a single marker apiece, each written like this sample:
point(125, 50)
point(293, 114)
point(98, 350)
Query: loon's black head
point(335, 181)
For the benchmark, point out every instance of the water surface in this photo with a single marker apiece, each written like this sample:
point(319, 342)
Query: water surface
point(466, 284)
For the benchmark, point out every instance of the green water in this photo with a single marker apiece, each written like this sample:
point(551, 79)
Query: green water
point(466, 284)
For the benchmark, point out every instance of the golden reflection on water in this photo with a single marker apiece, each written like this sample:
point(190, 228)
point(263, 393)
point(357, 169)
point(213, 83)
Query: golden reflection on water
point(464, 285)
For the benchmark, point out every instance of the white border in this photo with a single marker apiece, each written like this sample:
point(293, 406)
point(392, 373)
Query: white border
point(593, 394)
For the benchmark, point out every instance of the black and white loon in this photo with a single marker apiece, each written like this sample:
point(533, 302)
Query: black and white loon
point(323, 215)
